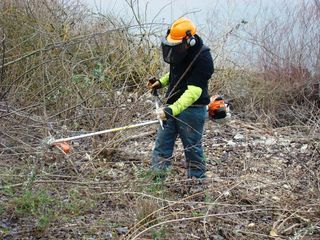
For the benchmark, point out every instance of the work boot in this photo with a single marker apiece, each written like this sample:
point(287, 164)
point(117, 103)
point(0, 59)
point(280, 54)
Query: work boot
point(196, 169)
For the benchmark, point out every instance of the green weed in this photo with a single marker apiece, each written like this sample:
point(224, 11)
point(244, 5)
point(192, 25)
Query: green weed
point(44, 221)
point(155, 180)
point(77, 204)
point(3, 231)
point(196, 213)
point(159, 234)
point(36, 204)
point(32, 203)
point(7, 190)
point(2, 208)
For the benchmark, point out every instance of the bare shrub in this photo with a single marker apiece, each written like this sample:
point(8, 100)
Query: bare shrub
point(71, 61)
point(274, 65)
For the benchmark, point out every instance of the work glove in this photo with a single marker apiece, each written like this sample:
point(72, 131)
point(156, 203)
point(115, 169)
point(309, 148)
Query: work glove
point(153, 83)
point(164, 113)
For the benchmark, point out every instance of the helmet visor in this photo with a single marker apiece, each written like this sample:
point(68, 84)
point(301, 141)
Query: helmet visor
point(173, 53)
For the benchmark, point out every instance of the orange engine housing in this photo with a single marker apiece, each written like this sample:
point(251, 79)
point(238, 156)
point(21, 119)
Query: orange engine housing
point(217, 108)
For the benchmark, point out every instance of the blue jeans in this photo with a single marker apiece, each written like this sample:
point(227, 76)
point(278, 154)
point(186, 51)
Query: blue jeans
point(189, 126)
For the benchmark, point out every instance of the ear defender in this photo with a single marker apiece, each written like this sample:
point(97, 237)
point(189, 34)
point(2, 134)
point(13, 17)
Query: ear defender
point(191, 41)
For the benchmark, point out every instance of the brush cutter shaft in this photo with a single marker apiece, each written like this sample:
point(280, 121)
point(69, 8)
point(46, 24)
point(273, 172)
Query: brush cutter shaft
point(104, 131)
point(154, 92)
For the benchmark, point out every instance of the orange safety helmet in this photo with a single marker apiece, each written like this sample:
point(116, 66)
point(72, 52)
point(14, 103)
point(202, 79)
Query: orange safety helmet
point(183, 28)
point(177, 41)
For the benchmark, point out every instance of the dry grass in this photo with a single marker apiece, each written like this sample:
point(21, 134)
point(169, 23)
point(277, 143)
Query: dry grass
point(264, 184)
point(65, 71)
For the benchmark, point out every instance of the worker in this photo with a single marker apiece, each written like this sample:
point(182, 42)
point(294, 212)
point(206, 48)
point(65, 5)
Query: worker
point(191, 67)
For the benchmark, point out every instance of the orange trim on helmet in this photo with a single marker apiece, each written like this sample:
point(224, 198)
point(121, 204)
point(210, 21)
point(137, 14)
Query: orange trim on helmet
point(179, 28)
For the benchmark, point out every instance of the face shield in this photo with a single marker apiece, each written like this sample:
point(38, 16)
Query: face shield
point(173, 53)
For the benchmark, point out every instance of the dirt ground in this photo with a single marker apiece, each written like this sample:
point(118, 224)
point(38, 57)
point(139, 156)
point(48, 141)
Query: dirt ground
point(262, 183)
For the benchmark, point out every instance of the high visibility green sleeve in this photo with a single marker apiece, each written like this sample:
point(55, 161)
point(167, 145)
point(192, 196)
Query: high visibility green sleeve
point(164, 80)
point(191, 95)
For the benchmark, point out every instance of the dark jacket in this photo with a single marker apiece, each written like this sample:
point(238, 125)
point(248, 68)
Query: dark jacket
point(198, 75)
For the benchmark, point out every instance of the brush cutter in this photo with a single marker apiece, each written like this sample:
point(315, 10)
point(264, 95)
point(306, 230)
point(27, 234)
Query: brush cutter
point(62, 144)
point(65, 147)
point(217, 109)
